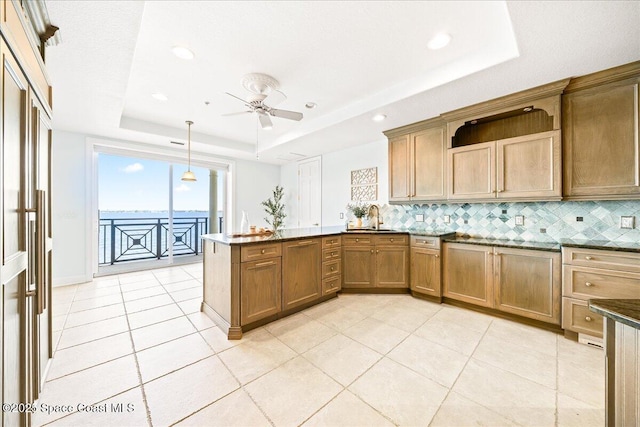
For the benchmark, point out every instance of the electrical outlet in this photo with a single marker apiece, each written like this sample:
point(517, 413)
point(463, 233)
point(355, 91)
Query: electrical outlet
point(447, 219)
point(519, 219)
point(627, 222)
point(420, 217)
point(341, 215)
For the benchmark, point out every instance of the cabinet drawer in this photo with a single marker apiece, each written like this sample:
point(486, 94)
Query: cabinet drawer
point(331, 285)
point(260, 251)
point(425, 242)
point(358, 240)
point(610, 260)
point(392, 240)
point(585, 283)
point(331, 254)
point(331, 268)
point(577, 317)
point(332, 241)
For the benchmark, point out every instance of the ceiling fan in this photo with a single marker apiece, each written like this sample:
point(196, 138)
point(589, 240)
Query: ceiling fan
point(264, 96)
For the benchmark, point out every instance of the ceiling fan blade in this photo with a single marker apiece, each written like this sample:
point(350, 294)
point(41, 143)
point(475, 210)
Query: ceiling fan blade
point(265, 121)
point(274, 98)
point(291, 115)
point(237, 97)
point(238, 113)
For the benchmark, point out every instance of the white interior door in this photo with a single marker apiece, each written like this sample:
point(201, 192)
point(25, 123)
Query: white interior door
point(310, 192)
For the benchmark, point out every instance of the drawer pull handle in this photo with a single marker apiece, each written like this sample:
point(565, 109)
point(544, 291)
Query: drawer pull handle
point(262, 264)
point(588, 319)
point(424, 242)
point(262, 251)
point(588, 258)
point(587, 284)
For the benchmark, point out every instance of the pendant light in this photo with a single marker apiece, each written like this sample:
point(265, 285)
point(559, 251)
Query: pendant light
point(188, 175)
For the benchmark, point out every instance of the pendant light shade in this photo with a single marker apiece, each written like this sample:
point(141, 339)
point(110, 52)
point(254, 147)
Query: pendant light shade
point(188, 175)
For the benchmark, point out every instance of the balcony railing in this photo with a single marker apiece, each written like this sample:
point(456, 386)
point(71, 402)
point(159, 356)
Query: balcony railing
point(134, 239)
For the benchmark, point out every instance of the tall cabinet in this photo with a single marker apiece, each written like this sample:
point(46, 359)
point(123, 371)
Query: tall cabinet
point(25, 253)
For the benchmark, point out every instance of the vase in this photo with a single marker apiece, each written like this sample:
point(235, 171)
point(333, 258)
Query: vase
point(358, 222)
point(244, 224)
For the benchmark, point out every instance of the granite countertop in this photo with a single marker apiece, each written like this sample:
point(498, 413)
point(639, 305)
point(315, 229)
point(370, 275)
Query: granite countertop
point(625, 311)
point(520, 244)
point(602, 244)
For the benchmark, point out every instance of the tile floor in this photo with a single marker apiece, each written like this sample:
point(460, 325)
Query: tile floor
point(138, 340)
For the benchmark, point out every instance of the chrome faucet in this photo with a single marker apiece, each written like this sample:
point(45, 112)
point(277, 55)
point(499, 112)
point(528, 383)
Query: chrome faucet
point(376, 225)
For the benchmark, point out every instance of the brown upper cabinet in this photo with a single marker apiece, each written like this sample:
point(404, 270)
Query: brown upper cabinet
point(600, 125)
point(417, 162)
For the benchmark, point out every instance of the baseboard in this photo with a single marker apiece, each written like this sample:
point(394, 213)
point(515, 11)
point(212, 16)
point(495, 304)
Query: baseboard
point(69, 280)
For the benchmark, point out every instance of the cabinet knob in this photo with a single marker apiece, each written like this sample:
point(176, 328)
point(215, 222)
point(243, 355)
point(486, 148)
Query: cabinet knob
point(437, 256)
point(333, 268)
point(262, 251)
point(489, 253)
point(588, 258)
point(333, 254)
point(371, 250)
point(377, 251)
point(588, 319)
point(588, 284)
point(391, 239)
point(357, 240)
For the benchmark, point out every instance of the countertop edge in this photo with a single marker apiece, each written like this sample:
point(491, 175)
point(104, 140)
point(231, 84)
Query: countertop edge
point(625, 311)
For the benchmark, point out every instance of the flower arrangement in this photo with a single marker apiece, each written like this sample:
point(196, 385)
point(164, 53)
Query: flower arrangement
point(275, 209)
point(359, 210)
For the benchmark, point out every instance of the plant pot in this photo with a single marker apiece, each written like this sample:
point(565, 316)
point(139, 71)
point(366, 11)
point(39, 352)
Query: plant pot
point(359, 222)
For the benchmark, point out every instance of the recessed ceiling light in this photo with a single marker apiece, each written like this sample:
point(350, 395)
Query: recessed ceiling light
point(379, 117)
point(439, 41)
point(311, 105)
point(182, 52)
point(160, 96)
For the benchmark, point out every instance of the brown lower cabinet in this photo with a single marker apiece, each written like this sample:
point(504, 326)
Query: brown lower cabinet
point(260, 289)
point(375, 261)
point(425, 266)
point(301, 275)
point(519, 281)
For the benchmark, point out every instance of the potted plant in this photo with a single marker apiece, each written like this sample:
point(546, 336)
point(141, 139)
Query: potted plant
point(359, 210)
point(275, 209)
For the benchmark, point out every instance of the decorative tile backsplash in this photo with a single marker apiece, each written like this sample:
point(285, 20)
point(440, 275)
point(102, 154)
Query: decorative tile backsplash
point(543, 221)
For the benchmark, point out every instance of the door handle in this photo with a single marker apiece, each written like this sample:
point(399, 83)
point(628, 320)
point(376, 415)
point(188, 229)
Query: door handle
point(40, 251)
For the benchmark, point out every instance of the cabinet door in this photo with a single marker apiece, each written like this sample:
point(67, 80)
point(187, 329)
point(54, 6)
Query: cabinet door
point(359, 266)
point(472, 171)
point(425, 271)
point(600, 127)
point(529, 166)
point(528, 283)
point(468, 273)
point(392, 267)
point(399, 169)
point(260, 289)
point(302, 276)
point(428, 162)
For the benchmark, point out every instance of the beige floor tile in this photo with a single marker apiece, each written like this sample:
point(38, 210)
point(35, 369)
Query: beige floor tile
point(200, 320)
point(140, 276)
point(182, 285)
point(348, 411)
point(576, 413)
point(147, 303)
point(84, 356)
point(516, 398)
point(89, 386)
point(164, 358)
point(402, 395)
point(234, 410)
point(191, 305)
point(172, 276)
point(148, 317)
point(451, 335)
point(143, 293)
point(137, 286)
point(126, 409)
point(402, 317)
point(93, 331)
point(300, 332)
point(306, 385)
point(187, 294)
point(256, 356)
point(464, 318)
point(587, 357)
point(376, 335)
point(162, 332)
point(218, 339)
point(181, 393)
point(66, 289)
point(458, 411)
point(525, 336)
point(342, 358)
point(57, 322)
point(88, 304)
point(94, 292)
point(63, 298)
point(370, 304)
point(527, 363)
point(583, 382)
point(100, 282)
point(434, 361)
point(94, 315)
point(60, 309)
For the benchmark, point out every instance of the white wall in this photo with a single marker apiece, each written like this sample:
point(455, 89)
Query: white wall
point(336, 180)
point(255, 182)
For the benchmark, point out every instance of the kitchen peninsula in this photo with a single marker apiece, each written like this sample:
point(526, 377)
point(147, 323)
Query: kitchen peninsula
point(250, 281)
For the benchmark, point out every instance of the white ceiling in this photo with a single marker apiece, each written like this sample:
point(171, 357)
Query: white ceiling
point(354, 59)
